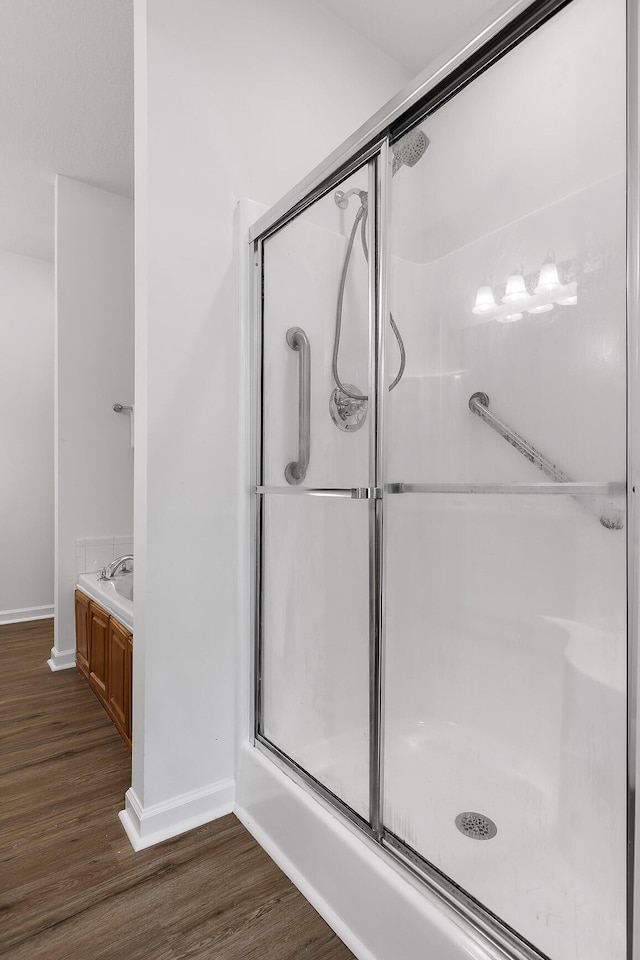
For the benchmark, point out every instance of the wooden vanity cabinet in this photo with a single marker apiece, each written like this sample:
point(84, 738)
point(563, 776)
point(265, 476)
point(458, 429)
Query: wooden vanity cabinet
point(82, 633)
point(104, 656)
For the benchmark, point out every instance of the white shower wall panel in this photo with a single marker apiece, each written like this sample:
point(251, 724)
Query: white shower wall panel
point(499, 573)
point(462, 641)
point(557, 378)
point(572, 356)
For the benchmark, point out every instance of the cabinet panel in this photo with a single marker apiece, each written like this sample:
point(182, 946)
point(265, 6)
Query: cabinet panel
point(129, 714)
point(98, 650)
point(82, 633)
point(119, 675)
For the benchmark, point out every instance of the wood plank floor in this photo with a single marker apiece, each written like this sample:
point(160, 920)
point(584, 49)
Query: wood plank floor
point(70, 884)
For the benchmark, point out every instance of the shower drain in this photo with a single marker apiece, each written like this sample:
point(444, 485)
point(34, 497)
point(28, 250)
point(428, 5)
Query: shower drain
point(476, 826)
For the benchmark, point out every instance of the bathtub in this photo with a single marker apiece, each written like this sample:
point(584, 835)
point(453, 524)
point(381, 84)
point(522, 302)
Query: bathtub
point(116, 596)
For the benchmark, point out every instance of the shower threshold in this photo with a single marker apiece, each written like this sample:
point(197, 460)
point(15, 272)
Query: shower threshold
point(562, 898)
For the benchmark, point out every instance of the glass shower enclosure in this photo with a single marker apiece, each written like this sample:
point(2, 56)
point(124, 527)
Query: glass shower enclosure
point(441, 548)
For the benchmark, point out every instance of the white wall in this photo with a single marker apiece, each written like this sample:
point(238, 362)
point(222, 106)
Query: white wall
point(26, 436)
point(234, 99)
point(94, 330)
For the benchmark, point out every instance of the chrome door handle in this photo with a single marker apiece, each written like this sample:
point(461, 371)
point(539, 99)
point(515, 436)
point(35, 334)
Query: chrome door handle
point(295, 471)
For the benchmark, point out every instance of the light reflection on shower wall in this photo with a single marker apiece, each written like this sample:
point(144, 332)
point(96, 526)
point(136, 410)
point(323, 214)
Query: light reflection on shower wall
point(505, 638)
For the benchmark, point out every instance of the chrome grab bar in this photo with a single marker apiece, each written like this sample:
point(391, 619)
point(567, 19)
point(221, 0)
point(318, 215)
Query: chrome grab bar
point(609, 515)
point(295, 471)
point(479, 404)
point(597, 489)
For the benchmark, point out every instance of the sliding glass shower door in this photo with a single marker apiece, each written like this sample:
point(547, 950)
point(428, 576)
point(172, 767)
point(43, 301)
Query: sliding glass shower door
point(441, 525)
point(505, 682)
point(315, 513)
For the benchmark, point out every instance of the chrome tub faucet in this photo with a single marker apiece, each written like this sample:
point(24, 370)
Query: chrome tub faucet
point(109, 572)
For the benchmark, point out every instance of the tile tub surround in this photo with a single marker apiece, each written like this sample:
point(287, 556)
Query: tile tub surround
point(92, 553)
point(104, 592)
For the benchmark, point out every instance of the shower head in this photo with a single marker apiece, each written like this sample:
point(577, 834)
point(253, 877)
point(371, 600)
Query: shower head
point(409, 149)
point(406, 153)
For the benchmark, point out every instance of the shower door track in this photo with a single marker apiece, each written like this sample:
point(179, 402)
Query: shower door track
point(436, 86)
point(604, 488)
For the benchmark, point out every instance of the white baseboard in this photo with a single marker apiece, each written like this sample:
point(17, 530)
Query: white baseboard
point(62, 659)
point(26, 613)
point(147, 826)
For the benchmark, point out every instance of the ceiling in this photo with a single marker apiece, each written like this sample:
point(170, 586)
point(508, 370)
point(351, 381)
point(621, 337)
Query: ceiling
point(66, 75)
point(413, 32)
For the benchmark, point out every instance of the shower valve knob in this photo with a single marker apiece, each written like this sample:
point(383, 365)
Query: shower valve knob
point(348, 413)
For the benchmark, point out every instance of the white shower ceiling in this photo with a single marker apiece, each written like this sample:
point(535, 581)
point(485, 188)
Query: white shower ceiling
point(66, 74)
point(413, 32)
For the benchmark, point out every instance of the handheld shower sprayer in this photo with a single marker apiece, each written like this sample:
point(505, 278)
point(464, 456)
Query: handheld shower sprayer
point(347, 404)
point(409, 149)
point(406, 153)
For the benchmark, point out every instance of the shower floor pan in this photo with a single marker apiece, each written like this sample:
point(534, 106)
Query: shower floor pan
point(560, 887)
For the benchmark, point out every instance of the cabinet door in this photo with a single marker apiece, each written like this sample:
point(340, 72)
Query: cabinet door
point(119, 673)
point(129, 701)
point(82, 633)
point(98, 647)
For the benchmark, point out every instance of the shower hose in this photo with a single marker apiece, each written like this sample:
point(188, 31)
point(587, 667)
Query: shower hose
point(360, 220)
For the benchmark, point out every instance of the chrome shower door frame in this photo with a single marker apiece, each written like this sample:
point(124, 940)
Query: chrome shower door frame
point(375, 158)
point(432, 88)
point(633, 469)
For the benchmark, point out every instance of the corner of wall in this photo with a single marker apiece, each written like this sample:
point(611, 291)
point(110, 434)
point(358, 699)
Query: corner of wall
point(61, 659)
point(146, 826)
